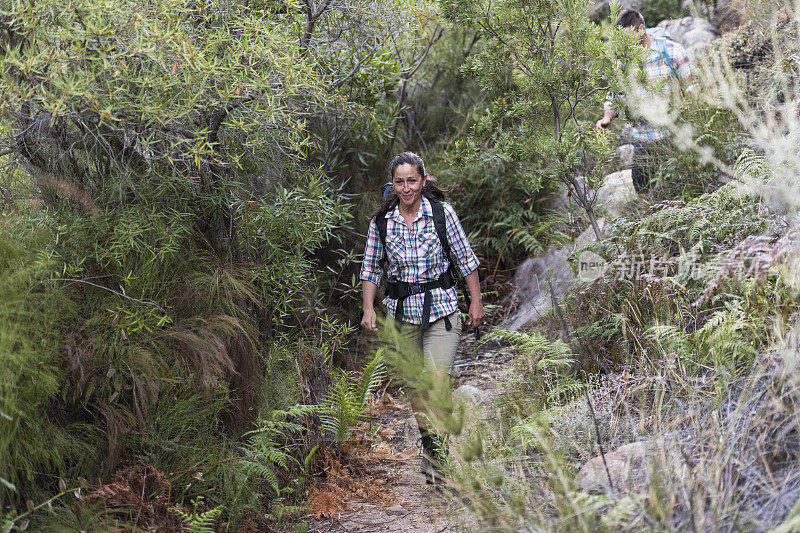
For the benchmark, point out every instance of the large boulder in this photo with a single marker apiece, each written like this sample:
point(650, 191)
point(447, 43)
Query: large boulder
point(536, 275)
point(631, 467)
point(616, 192)
point(693, 33)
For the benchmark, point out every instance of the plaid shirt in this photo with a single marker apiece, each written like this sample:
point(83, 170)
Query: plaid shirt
point(666, 62)
point(416, 256)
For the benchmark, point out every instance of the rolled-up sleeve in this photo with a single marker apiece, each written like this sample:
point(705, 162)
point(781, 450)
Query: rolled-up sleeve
point(460, 250)
point(370, 266)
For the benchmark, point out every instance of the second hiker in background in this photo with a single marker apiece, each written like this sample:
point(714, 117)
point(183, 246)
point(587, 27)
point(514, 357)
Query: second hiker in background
point(666, 62)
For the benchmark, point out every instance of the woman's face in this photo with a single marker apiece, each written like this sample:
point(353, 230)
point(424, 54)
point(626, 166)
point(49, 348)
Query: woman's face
point(408, 184)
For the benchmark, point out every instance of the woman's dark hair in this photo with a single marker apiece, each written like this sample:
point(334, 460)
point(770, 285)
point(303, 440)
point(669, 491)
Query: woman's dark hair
point(630, 18)
point(431, 190)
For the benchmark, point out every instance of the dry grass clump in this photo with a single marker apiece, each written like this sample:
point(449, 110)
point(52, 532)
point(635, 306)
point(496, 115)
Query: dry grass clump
point(725, 460)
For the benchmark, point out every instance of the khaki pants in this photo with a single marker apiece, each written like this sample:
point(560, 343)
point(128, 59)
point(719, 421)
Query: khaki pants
point(438, 345)
point(425, 362)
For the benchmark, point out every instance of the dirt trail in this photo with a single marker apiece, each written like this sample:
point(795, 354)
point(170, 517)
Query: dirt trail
point(414, 506)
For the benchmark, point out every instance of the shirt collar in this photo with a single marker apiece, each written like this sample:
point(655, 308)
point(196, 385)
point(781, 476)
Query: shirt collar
point(425, 210)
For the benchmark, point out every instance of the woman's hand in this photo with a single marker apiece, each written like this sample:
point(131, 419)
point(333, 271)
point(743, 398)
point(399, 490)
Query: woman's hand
point(476, 313)
point(369, 321)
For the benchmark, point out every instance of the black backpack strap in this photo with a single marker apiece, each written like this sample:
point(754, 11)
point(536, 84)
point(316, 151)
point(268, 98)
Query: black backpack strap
point(380, 223)
point(440, 223)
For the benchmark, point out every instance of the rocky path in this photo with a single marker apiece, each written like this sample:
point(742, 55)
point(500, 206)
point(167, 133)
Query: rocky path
point(406, 503)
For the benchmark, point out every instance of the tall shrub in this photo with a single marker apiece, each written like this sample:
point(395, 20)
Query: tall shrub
point(544, 66)
point(166, 143)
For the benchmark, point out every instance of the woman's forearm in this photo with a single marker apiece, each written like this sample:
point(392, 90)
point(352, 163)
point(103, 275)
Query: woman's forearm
point(369, 289)
point(473, 285)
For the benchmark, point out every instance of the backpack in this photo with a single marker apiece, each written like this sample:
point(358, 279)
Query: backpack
point(450, 278)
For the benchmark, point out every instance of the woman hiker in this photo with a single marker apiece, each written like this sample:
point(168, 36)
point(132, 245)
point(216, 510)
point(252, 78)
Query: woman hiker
point(403, 240)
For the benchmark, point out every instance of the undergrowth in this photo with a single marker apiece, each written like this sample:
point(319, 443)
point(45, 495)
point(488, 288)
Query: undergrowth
point(665, 397)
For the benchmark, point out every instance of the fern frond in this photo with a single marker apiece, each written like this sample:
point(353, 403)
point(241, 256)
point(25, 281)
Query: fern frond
point(199, 522)
point(344, 407)
point(264, 472)
point(371, 376)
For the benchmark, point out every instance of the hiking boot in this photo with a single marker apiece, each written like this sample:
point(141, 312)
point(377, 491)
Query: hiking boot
point(434, 457)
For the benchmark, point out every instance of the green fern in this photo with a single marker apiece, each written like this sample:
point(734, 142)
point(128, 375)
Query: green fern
point(547, 364)
point(197, 521)
point(670, 339)
point(349, 395)
point(753, 165)
point(265, 451)
point(728, 339)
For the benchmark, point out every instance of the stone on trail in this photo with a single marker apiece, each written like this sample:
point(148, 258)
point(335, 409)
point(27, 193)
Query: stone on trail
point(469, 394)
point(395, 510)
point(480, 418)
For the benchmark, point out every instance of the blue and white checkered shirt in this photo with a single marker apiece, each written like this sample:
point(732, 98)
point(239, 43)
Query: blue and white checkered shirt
point(668, 63)
point(416, 256)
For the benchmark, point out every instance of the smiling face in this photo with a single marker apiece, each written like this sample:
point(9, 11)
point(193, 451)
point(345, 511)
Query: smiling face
point(408, 184)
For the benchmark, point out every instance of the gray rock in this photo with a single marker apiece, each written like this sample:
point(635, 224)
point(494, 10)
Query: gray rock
point(479, 418)
point(625, 155)
point(532, 280)
point(693, 33)
point(631, 467)
point(535, 275)
point(398, 510)
point(617, 190)
point(470, 395)
point(624, 465)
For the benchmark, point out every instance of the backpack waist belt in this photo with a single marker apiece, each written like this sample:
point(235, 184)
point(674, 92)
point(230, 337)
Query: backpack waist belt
point(400, 290)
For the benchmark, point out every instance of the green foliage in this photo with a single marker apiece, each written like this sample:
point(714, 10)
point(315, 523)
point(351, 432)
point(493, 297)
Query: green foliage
point(178, 210)
point(542, 68)
point(683, 174)
point(32, 438)
point(546, 368)
point(444, 101)
point(683, 255)
point(77, 516)
point(657, 10)
point(198, 521)
point(349, 397)
point(701, 297)
point(265, 450)
point(496, 205)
